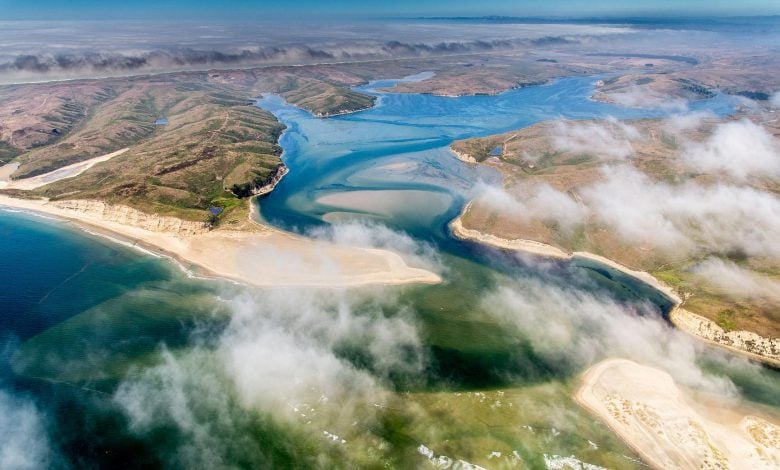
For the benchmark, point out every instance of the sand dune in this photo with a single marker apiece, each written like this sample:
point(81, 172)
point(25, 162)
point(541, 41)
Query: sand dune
point(69, 171)
point(669, 428)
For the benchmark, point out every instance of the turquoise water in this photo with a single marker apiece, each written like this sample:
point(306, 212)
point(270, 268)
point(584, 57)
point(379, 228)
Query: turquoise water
point(46, 261)
point(80, 314)
point(402, 145)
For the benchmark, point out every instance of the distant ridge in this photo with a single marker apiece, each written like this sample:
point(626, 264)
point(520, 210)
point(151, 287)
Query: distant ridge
point(649, 22)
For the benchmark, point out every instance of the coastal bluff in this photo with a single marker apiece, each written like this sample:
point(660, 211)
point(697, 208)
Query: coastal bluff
point(94, 209)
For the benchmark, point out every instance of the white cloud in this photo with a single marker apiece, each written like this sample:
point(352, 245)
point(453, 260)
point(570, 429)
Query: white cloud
point(686, 217)
point(576, 328)
point(533, 202)
point(678, 124)
point(740, 149)
point(774, 101)
point(737, 281)
point(368, 234)
point(24, 442)
point(610, 139)
point(636, 97)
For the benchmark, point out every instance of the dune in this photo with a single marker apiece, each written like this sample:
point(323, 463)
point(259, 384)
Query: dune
point(266, 258)
point(70, 171)
point(670, 427)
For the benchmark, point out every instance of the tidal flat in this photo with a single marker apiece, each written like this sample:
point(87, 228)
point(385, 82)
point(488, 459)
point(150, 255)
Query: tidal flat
point(479, 369)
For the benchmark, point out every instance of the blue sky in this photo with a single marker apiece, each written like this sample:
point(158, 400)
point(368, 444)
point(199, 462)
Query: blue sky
point(248, 9)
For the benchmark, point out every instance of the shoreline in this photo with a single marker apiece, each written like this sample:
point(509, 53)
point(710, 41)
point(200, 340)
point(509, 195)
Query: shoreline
point(695, 325)
point(464, 157)
point(708, 331)
point(282, 170)
point(670, 427)
point(261, 259)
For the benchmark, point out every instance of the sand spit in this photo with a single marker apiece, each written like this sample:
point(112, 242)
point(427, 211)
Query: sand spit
point(670, 428)
point(766, 350)
point(758, 348)
point(69, 171)
point(549, 251)
point(528, 246)
point(269, 258)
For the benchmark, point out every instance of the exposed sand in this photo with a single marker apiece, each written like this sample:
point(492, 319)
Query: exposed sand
point(59, 174)
point(5, 173)
point(765, 350)
point(543, 249)
point(643, 276)
point(671, 428)
point(757, 347)
point(527, 246)
point(267, 259)
point(385, 203)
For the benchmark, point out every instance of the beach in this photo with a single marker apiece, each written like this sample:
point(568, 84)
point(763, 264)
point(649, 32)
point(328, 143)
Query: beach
point(266, 258)
point(749, 344)
point(670, 427)
point(766, 350)
point(526, 246)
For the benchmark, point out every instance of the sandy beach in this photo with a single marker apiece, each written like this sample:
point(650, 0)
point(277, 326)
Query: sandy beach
point(268, 258)
point(759, 348)
point(672, 428)
point(751, 345)
point(527, 246)
point(69, 171)
point(643, 276)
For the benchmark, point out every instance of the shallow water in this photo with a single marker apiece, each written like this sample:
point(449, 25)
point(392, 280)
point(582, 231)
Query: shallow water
point(81, 315)
point(402, 145)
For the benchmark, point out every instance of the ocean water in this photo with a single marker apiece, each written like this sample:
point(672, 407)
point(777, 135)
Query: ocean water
point(81, 315)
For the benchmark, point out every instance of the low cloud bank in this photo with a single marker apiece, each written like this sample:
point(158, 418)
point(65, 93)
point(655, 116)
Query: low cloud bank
point(740, 149)
point(686, 217)
point(74, 63)
point(737, 281)
point(577, 329)
point(286, 357)
point(609, 139)
point(533, 202)
point(24, 442)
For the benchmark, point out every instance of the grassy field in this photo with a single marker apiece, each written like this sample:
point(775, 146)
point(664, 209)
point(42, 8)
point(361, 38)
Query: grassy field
point(216, 146)
point(531, 156)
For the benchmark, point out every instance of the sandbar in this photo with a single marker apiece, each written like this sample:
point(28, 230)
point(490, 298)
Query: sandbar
point(267, 258)
point(670, 427)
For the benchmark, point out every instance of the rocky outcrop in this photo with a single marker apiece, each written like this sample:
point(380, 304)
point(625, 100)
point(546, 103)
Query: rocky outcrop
point(129, 216)
point(271, 184)
point(463, 156)
point(766, 350)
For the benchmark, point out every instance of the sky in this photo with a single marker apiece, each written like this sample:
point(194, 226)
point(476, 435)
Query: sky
point(259, 9)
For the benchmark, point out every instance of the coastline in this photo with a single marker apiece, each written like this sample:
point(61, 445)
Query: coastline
point(464, 157)
point(267, 188)
point(671, 428)
point(765, 350)
point(268, 258)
